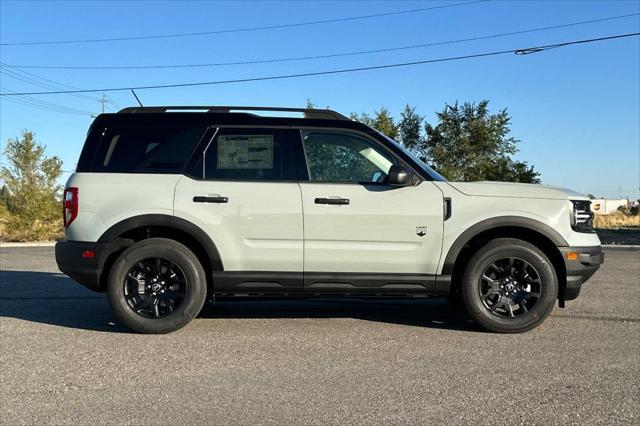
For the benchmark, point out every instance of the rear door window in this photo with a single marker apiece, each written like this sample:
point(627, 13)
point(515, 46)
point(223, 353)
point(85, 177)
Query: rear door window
point(146, 150)
point(247, 154)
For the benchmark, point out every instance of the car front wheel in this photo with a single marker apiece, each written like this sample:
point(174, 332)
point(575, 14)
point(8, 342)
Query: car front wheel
point(509, 286)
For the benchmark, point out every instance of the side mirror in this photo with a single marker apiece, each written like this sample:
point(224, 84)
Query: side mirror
point(398, 176)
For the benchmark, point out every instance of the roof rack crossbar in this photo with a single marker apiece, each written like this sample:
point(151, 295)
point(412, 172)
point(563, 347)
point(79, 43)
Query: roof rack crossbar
point(326, 114)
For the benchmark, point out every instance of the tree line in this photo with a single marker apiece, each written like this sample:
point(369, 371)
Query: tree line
point(466, 143)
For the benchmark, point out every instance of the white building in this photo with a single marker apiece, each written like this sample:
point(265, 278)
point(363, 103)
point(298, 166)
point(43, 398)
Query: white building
point(606, 206)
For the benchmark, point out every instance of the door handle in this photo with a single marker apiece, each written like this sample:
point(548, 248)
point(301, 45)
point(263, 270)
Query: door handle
point(335, 201)
point(210, 199)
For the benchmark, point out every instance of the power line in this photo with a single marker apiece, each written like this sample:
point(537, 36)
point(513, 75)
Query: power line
point(112, 102)
point(522, 51)
point(39, 81)
point(333, 55)
point(246, 29)
point(23, 102)
point(49, 84)
point(43, 105)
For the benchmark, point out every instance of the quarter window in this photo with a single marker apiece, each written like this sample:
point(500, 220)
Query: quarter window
point(146, 150)
point(344, 157)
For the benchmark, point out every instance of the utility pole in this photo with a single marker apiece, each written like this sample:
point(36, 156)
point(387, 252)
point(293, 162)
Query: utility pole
point(102, 101)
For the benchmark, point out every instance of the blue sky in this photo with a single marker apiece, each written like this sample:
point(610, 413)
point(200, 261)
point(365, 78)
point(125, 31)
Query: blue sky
point(576, 109)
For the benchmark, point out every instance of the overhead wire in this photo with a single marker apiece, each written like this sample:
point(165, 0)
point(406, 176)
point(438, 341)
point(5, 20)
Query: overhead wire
point(520, 51)
point(325, 56)
point(39, 81)
point(245, 29)
point(40, 104)
point(46, 83)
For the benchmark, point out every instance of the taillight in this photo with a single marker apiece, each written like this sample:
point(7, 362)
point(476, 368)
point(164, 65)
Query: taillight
point(69, 205)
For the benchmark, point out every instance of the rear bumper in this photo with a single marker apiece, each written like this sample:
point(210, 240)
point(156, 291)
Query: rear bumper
point(580, 269)
point(85, 270)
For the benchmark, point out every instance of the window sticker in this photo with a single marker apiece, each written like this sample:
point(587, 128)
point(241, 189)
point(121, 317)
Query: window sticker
point(245, 152)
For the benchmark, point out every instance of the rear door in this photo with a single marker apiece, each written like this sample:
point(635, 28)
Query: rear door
point(243, 193)
point(361, 234)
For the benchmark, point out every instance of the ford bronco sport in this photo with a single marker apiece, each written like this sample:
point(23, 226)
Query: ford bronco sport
point(173, 206)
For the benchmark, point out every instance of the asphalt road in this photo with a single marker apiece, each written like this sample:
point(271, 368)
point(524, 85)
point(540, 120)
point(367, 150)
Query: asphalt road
point(63, 360)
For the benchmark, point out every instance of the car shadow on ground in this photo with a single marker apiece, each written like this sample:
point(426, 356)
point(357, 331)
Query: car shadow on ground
point(54, 299)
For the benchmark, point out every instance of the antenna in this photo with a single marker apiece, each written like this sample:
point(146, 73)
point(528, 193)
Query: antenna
point(136, 96)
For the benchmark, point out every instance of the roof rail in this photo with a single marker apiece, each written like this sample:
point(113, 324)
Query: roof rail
point(326, 114)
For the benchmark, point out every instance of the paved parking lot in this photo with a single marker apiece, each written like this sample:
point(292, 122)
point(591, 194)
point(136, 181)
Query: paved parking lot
point(63, 360)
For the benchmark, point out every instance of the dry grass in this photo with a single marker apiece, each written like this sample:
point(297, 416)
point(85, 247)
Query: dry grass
point(14, 229)
point(617, 220)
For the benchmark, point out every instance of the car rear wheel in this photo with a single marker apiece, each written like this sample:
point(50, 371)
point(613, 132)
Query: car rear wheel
point(509, 286)
point(156, 286)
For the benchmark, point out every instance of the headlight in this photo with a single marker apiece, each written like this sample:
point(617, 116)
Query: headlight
point(581, 216)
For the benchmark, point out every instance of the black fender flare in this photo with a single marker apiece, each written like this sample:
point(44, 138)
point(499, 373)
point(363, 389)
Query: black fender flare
point(166, 221)
point(495, 223)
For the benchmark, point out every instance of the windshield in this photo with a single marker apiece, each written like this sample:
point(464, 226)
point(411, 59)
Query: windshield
point(418, 162)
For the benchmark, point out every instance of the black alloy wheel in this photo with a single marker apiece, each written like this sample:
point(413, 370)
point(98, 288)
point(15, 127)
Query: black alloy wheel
point(510, 287)
point(155, 287)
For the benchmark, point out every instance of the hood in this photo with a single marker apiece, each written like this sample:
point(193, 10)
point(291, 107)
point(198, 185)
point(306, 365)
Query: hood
point(516, 190)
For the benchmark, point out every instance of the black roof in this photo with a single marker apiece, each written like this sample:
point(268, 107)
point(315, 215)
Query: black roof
point(307, 112)
point(161, 116)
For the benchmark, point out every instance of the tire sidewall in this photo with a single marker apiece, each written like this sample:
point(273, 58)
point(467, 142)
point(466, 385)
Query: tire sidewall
point(195, 292)
point(500, 250)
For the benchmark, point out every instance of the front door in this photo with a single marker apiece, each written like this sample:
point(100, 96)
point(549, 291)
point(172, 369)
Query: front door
point(362, 235)
point(242, 192)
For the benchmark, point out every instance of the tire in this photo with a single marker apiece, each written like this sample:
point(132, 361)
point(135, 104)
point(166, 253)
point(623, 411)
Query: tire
point(523, 271)
point(174, 303)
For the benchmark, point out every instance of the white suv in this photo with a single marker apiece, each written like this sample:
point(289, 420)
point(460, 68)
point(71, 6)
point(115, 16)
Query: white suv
point(171, 206)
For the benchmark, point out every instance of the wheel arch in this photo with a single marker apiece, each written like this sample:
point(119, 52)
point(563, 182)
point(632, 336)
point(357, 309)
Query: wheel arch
point(137, 228)
point(537, 233)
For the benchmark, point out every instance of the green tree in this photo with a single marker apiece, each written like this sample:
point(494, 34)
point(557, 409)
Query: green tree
point(470, 144)
point(31, 193)
point(410, 130)
point(363, 118)
point(381, 121)
point(384, 123)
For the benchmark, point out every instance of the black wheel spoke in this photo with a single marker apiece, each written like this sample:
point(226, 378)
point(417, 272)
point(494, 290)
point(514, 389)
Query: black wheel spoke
point(489, 279)
point(509, 266)
point(497, 268)
point(496, 305)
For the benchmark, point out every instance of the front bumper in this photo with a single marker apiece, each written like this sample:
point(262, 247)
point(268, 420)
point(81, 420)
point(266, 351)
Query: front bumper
point(85, 270)
point(581, 263)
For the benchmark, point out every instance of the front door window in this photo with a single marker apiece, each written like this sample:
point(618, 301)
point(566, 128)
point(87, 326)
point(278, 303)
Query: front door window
point(344, 157)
